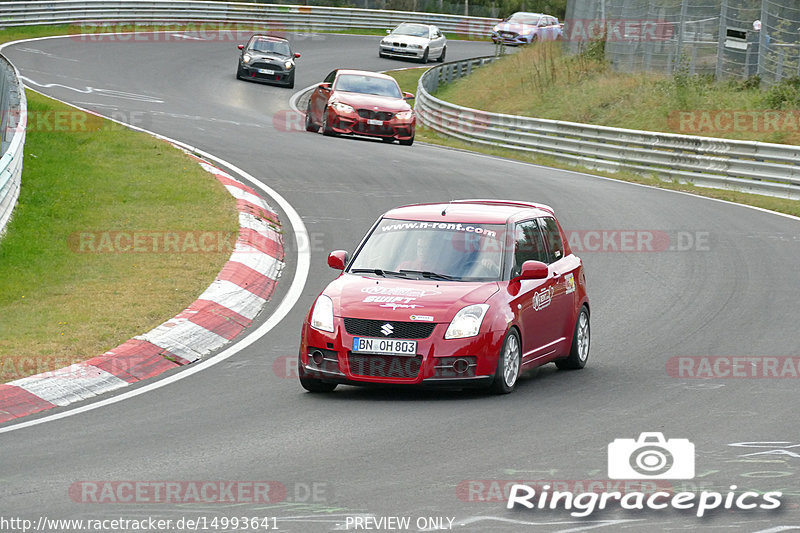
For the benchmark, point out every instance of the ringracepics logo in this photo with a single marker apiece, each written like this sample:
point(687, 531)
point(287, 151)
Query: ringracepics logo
point(650, 457)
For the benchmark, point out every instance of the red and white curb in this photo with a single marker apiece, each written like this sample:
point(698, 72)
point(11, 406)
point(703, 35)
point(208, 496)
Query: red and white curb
point(227, 307)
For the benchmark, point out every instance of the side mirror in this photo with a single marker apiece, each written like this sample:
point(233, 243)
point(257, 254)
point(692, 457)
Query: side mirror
point(408, 96)
point(533, 270)
point(325, 86)
point(337, 259)
point(240, 47)
point(296, 55)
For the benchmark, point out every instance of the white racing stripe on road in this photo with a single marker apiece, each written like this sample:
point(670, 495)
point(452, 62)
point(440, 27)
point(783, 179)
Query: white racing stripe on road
point(70, 384)
point(92, 90)
point(248, 221)
point(231, 296)
point(240, 194)
point(46, 54)
point(257, 260)
point(185, 339)
point(292, 296)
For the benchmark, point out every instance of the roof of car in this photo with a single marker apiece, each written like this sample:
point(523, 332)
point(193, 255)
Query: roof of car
point(471, 211)
point(363, 72)
point(270, 38)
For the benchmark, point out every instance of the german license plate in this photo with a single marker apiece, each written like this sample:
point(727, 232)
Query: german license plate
point(384, 346)
point(374, 122)
point(266, 71)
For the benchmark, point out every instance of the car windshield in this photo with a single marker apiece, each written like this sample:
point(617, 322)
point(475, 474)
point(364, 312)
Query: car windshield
point(416, 30)
point(433, 250)
point(271, 47)
point(521, 18)
point(357, 83)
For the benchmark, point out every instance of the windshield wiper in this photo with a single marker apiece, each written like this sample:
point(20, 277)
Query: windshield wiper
point(430, 275)
point(378, 271)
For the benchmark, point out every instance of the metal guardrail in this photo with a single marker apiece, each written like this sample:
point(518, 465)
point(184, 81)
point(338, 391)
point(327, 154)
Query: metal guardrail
point(275, 16)
point(755, 167)
point(13, 121)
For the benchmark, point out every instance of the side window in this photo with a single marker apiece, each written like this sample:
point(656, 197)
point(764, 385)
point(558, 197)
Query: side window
point(553, 237)
point(330, 77)
point(528, 245)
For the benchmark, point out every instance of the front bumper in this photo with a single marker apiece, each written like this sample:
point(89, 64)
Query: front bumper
point(510, 38)
point(453, 363)
point(352, 123)
point(277, 76)
point(401, 51)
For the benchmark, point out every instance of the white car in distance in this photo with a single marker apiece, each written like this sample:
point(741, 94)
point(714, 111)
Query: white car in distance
point(415, 41)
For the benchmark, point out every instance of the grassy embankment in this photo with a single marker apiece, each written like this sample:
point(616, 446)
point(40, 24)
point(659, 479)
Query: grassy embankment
point(59, 302)
point(541, 82)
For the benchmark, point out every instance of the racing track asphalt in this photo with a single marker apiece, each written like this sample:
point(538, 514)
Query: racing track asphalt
point(397, 452)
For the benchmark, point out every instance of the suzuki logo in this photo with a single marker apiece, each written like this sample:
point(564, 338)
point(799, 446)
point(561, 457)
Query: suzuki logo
point(387, 329)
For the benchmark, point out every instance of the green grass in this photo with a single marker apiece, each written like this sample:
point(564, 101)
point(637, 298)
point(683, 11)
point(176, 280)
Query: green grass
point(60, 304)
point(542, 82)
point(408, 82)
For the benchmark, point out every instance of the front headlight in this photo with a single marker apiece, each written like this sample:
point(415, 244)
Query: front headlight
point(415, 46)
point(467, 322)
point(246, 58)
point(405, 115)
point(288, 65)
point(322, 317)
point(342, 108)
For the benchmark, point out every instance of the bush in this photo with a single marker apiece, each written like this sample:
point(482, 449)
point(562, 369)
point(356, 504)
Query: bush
point(784, 95)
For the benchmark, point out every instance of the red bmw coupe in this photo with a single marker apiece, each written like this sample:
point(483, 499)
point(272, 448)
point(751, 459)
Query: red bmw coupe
point(460, 294)
point(362, 103)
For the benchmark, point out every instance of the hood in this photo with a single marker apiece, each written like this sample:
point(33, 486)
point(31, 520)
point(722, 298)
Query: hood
point(515, 27)
point(370, 101)
point(400, 300)
point(267, 56)
point(408, 39)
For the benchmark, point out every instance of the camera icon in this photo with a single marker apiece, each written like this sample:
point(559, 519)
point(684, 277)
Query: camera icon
point(651, 457)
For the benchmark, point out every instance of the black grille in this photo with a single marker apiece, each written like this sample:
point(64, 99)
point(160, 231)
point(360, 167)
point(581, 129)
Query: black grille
point(401, 330)
point(399, 45)
point(378, 115)
point(384, 366)
point(270, 66)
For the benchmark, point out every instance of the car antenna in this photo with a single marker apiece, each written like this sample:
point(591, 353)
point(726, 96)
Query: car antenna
point(444, 211)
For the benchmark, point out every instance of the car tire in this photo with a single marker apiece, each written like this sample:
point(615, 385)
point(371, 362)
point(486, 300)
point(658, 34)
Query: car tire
point(579, 352)
point(239, 72)
point(327, 131)
point(442, 55)
point(509, 364)
point(312, 384)
point(407, 142)
point(310, 126)
point(424, 58)
point(290, 85)
point(534, 38)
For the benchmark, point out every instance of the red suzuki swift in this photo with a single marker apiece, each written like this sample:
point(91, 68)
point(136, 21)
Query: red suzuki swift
point(466, 293)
